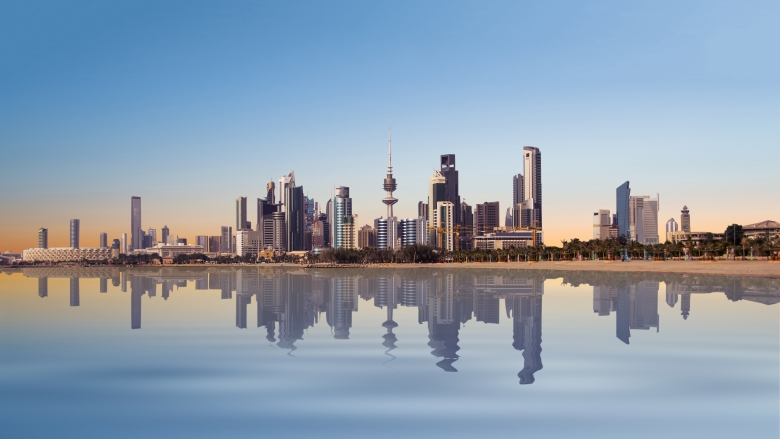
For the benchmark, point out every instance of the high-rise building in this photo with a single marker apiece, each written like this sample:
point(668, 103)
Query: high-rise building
point(671, 227)
point(248, 243)
point(451, 191)
point(43, 238)
point(509, 218)
point(389, 184)
point(643, 219)
point(410, 231)
point(202, 241)
point(103, 240)
point(75, 226)
point(136, 232)
point(342, 217)
point(152, 236)
point(226, 240)
point(532, 185)
point(294, 215)
point(270, 189)
point(380, 225)
point(623, 194)
point(518, 190)
point(393, 237)
point(279, 227)
point(685, 219)
point(241, 223)
point(264, 222)
point(601, 223)
point(213, 244)
point(422, 210)
point(285, 182)
point(124, 243)
point(318, 234)
point(165, 233)
point(486, 218)
point(436, 192)
point(445, 216)
point(366, 237)
point(329, 220)
point(465, 237)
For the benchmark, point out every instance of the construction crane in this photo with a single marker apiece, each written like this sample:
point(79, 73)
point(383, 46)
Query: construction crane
point(441, 231)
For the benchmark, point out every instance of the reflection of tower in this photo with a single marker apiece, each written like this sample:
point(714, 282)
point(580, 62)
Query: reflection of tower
point(527, 330)
point(103, 284)
point(74, 291)
point(242, 300)
point(292, 320)
point(622, 330)
point(443, 327)
point(342, 305)
point(387, 291)
point(389, 184)
point(43, 286)
point(685, 305)
point(136, 291)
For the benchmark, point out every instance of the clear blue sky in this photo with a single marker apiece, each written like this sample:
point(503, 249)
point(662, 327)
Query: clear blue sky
point(192, 104)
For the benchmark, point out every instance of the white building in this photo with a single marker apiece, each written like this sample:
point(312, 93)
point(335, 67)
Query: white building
point(444, 216)
point(671, 227)
point(171, 251)
point(66, 254)
point(643, 219)
point(249, 242)
point(506, 240)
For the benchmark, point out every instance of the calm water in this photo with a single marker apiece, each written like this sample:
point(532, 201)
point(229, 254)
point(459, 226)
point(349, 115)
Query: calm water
point(181, 352)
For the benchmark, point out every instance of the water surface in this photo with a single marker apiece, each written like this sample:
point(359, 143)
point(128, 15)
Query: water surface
point(216, 352)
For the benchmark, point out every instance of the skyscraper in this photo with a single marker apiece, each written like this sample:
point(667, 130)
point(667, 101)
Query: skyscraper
point(436, 192)
point(518, 190)
point(685, 219)
point(532, 186)
point(643, 219)
point(444, 215)
point(451, 192)
point(75, 225)
point(43, 238)
point(136, 232)
point(342, 217)
point(103, 240)
point(285, 182)
point(623, 194)
point(270, 188)
point(165, 233)
point(389, 183)
point(294, 215)
point(241, 223)
point(124, 243)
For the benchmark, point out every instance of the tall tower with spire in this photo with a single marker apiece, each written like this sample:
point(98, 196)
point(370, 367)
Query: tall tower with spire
point(389, 185)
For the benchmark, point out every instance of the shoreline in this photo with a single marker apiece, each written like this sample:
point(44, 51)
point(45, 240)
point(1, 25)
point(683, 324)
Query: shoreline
point(759, 269)
point(762, 269)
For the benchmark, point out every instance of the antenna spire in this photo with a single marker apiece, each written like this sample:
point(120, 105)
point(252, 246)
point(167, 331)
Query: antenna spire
point(389, 149)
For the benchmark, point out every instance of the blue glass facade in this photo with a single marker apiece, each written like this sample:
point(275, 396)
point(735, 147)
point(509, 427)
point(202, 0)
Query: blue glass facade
point(622, 195)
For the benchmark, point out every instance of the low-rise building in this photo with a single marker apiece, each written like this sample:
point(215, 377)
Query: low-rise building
point(764, 229)
point(171, 251)
point(505, 240)
point(66, 254)
point(695, 237)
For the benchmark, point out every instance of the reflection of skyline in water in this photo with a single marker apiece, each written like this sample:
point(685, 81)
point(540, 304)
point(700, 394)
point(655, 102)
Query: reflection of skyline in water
point(290, 301)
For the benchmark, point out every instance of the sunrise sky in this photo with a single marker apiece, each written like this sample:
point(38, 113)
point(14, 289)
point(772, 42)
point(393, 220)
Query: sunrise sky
point(192, 104)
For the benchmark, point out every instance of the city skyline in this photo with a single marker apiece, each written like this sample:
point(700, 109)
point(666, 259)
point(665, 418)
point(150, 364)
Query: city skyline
point(591, 85)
